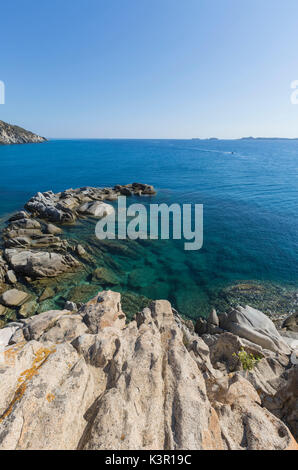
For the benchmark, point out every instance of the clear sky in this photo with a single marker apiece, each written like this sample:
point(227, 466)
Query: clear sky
point(150, 68)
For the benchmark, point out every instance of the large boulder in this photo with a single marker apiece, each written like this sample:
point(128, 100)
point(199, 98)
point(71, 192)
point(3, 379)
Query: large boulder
point(249, 323)
point(11, 277)
point(42, 323)
point(39, 264)
point(28, 309)
point(5, 336)
point(102, 311)
point(266, 376)
point(29, 233)
point(19, 215)
point(44, 393)
point(13, 298)
point(25, 224)
point(47, 206)
point(291, 323)
point(97, 209)
point(52, 229)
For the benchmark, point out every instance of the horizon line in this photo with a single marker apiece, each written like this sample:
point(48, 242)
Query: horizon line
point(172, 138)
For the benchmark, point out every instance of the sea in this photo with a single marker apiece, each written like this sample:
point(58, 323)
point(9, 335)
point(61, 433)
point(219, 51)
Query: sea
point(249, 192)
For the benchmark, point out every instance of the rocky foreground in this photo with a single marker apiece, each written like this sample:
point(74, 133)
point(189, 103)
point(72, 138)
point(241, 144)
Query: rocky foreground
point(10, 134)
point(85, 379)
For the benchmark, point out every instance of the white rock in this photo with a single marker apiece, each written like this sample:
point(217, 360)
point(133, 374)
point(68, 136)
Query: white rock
point(97, 209)
point(13, 298)
point(40, 263)
point(5, 335)
point(249, 323)
point(11, 277)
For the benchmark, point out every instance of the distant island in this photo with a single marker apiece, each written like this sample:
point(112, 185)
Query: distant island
point(10, 134)
point(248, 138)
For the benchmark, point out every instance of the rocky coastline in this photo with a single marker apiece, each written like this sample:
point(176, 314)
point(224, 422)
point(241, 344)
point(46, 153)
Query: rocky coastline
point(88, 377)
point(35, 253)
point(11, 134)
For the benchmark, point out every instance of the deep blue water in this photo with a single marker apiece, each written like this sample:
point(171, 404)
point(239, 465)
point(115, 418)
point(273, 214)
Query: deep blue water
point(248, 188)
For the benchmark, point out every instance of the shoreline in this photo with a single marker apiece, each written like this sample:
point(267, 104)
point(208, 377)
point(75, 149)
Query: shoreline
point(83, 365)
point(37, 254)
point(68, 268)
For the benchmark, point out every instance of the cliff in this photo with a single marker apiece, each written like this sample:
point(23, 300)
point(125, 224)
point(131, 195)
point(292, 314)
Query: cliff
point(87, 379)
point(10, 134)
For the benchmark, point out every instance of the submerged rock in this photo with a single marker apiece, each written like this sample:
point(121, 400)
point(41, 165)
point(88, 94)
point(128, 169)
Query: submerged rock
point(13, 298)
point(47, 293)
point(28, 309)
point(104, 276)
point(80, 250)
point(133, 303)
point(82, 293)
point(138, 189)
point(141, 277)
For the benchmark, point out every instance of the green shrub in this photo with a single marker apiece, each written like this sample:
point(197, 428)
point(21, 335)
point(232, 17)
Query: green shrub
point(248, 361)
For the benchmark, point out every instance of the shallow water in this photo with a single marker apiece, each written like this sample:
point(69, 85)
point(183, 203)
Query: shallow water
point(249, 192)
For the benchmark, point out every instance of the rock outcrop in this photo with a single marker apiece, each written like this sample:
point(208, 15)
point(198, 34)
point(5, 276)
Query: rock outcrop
point(10, 134)
point(39, 264)
point(34, 246)
point(13, 298)
point(67, 206)
point(248, 323)
point(88, 380)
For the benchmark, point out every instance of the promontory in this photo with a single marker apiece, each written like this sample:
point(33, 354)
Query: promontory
point(10, 134)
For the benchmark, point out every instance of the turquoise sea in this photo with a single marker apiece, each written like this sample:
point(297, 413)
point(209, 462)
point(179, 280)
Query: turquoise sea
point(249, 189)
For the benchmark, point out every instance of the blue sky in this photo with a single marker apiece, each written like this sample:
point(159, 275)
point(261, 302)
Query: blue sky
point(150, 68)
